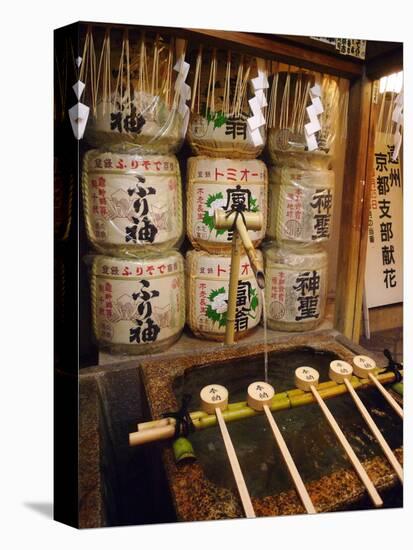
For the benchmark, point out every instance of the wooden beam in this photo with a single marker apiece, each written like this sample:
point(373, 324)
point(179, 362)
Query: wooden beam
point(386, 64)
point(280, 50)
point(355, 209)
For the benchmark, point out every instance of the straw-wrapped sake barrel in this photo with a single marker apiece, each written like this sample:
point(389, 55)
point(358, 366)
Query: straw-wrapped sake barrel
point(207, 282)
point(138, 306)
point(300, 205)
point(295, 286)
point(290, 96)
point(134, 100)
point(218, 126)
point(133, 204)
point(223, 183)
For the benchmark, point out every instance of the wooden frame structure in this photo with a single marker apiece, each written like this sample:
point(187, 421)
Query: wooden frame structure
point(382, 58)
point(359, 169)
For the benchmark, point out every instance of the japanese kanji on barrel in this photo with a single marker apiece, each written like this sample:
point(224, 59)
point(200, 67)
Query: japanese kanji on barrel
point(300, 205)
point(138, 306)
point(296, 286)
point(227, 184)
point(132, 203)
point(225, 87)
point(207, 279)
point(137, 98)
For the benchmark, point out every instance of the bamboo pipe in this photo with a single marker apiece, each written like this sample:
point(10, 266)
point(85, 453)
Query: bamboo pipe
point(214, 400)
point(240, 410)
point(364, 366)
point(233, 286)
point(253, 221)
point(306, 378)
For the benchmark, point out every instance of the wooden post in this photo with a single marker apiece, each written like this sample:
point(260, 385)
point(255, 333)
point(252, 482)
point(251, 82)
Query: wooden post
point(358, 174)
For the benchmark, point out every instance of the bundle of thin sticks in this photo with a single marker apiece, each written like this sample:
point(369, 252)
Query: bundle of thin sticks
point(130, 71)
point(220, 82)
point(290, 96)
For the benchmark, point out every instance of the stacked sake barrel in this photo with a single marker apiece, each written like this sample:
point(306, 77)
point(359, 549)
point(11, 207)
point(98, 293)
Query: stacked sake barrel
point(302, 120)
point(225, 174)
point(132, 193)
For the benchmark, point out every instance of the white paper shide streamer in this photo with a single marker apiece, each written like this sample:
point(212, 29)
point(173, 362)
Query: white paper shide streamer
point(313, 111)
point(181, 87)
point(257, 103)
point(79, 113)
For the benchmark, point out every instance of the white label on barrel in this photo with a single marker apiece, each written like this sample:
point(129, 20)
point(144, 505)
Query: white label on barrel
point(225, 184)
point(295, 296)
point(138, 302)
point(211, 294)
point(221, 128)
point(134, 200)
point(304, 214)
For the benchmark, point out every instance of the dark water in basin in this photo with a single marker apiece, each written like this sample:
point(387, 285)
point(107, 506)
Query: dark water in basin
point(312, 444)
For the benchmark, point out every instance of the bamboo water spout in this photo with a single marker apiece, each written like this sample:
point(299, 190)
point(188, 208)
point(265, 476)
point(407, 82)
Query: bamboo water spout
point(239, 222)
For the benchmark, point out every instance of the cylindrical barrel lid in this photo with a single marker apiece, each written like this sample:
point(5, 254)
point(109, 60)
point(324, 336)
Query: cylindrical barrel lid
point(305, 377)
point(214, 397)
point(339, 370)
point(259, 394)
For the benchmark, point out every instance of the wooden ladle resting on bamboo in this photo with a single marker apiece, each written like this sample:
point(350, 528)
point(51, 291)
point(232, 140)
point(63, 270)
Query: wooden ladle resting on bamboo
point(214, 399)
point(240, 223)
point(306, 379)
point(260, 395)
point(341, 372)
point(365, 367)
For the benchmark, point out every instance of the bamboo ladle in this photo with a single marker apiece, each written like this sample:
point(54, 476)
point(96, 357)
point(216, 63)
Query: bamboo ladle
point(214, 399)
point(341, 372)
point(306, 379)
point(259, 396)
point(364, 367)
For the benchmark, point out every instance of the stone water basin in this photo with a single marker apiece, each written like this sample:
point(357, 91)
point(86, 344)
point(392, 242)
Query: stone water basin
point(205, 489)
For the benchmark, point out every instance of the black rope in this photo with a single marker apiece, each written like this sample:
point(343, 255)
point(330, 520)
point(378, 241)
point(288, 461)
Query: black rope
point(393, 366)
point(239, 210)
point(184, 424)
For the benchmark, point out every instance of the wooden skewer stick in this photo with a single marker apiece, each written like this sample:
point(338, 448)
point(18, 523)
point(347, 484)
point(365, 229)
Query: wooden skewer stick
point(364, 367)
point(341, 372)
point(260, 395)
point(214, 399)
point(306, 379)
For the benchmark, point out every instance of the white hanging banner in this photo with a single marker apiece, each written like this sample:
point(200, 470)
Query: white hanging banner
point(384, 266)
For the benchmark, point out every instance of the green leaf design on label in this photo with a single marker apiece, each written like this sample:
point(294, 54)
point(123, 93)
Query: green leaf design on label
point(212, 198)
point(213, 314)
point(253, 299)
point(218, 118)
point(253, 205)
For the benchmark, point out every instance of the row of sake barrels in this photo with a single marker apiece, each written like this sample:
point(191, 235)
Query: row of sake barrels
point(139, 306)
point(140, 100)
point(133, 203)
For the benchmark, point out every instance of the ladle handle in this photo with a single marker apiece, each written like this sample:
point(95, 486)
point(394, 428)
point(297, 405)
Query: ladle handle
point(375, 431)
point(236, 469)
point(392, 402)
point(288, 459)
point(372, 491)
